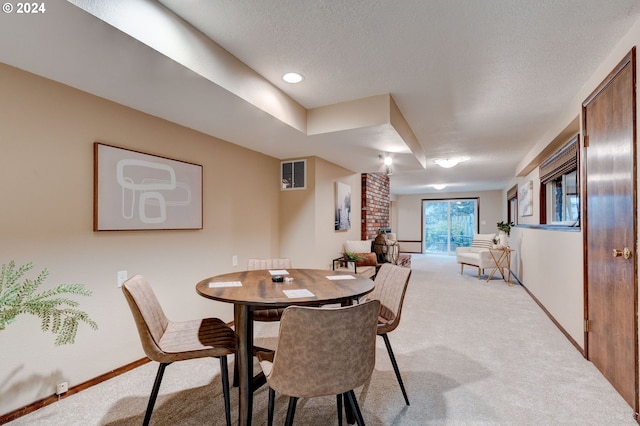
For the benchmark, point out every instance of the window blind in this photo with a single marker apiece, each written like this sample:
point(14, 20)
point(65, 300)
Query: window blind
point(562, 161)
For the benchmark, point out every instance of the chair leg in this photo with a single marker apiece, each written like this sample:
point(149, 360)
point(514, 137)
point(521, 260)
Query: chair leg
point(291, 411)
point(339, 401)
point(154, 393)
point(224, 373)
point(235, 371)
point(461, 268)
point(351, 399)
point(272, 398)
point(395, 367)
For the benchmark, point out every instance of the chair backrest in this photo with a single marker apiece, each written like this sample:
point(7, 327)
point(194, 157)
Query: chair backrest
point(255, 264)
point(149, 317)
point(482, 241)
point(391, 287)
point(357, 246)
point(324, 351)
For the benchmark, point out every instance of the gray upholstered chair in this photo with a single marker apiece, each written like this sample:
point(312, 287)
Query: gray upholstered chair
point(165, 341)
point(322, 351)
point(268, 314)
point(391, 287)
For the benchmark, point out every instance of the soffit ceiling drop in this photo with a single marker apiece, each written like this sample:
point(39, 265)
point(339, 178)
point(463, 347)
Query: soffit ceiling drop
point(479, 79)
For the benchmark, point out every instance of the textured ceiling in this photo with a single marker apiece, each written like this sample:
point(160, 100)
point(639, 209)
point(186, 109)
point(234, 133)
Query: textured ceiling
point(484, 79)
point(478, 78)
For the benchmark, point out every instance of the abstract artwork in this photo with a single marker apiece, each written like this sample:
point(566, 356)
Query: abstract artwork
point(137, 191)
point(525, 198)
point(343, 207)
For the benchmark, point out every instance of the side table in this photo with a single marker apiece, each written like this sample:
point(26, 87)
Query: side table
point(502, 260)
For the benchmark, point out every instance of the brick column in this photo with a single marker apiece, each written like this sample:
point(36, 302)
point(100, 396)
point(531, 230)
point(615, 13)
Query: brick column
point(375, 204)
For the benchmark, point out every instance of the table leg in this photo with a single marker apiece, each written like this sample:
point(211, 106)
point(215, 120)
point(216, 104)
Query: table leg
point(509, 268)
point(244, 358)
point(500, 267)
point(498, 263)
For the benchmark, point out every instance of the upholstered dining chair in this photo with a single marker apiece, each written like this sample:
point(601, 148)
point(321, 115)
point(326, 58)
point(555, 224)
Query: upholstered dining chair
point(322, 351)
point(268, 314)
point(165, 341)
point(391, 286)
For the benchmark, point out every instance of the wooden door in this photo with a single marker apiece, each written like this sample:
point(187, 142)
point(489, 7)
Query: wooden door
point(610, 224)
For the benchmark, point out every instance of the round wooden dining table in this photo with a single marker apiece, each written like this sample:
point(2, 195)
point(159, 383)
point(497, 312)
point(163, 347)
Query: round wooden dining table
point(253, 290)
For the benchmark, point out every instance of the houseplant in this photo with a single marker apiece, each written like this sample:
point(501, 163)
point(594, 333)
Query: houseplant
point(505, 231)
point(58, 313)
point(505, 227)
point(350, 258)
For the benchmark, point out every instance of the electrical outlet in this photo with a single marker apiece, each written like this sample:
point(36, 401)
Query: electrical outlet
point(62, 388)
point(122, 277)
point(234, 261)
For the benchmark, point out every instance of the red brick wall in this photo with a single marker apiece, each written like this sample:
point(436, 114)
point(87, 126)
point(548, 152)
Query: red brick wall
point(375, 204)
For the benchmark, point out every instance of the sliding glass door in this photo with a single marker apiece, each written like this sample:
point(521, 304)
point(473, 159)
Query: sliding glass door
point(449, 224)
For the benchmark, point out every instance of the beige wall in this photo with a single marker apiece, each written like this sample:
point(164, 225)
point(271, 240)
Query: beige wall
point(46, 164)
point(550, 263)
point(308, 216)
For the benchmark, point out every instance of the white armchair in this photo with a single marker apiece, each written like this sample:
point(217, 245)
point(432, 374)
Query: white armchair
point(478, 254)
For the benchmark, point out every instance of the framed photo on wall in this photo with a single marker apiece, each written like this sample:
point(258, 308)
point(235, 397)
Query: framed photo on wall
point(138, 191)
point(343, 207)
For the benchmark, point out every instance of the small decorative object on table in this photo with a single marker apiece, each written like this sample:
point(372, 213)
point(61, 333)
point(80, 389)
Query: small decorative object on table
point(505, 230)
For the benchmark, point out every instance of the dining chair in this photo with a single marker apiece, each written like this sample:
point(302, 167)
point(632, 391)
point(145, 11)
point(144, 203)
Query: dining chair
point(165, 341)
point(268, 314)
point(322, 351)
point(390, 288)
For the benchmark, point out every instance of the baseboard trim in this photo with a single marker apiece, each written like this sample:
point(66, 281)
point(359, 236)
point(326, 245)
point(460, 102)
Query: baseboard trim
point(5, 418)
point(553, 320)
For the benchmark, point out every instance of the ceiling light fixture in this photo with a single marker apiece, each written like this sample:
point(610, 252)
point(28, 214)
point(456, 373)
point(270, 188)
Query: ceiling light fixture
point(439, 186)
point(387, 161)
point(292, 77)
point(447, 163)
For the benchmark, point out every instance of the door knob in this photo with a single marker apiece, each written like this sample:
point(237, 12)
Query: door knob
point(626, 253)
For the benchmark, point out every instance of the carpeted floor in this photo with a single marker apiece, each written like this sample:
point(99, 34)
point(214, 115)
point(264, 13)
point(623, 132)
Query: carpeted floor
point(471, 353)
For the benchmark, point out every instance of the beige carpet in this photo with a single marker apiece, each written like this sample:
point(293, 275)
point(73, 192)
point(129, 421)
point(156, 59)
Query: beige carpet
point(471, 353)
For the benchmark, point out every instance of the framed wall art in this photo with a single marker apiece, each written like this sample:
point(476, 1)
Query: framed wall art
point(525, 198)
point(343, 207)
point(138, 191)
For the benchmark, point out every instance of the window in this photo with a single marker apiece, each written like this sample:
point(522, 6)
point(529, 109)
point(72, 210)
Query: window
point(512, 203)
point(449, 224)
point(293, 175)
point(560, 190)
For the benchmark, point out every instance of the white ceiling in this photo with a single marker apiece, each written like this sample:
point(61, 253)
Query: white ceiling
point(484, 79)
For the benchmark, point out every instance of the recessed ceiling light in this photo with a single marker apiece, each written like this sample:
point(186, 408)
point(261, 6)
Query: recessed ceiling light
point(439, 186)
point(292, 77)
point(450, 162)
